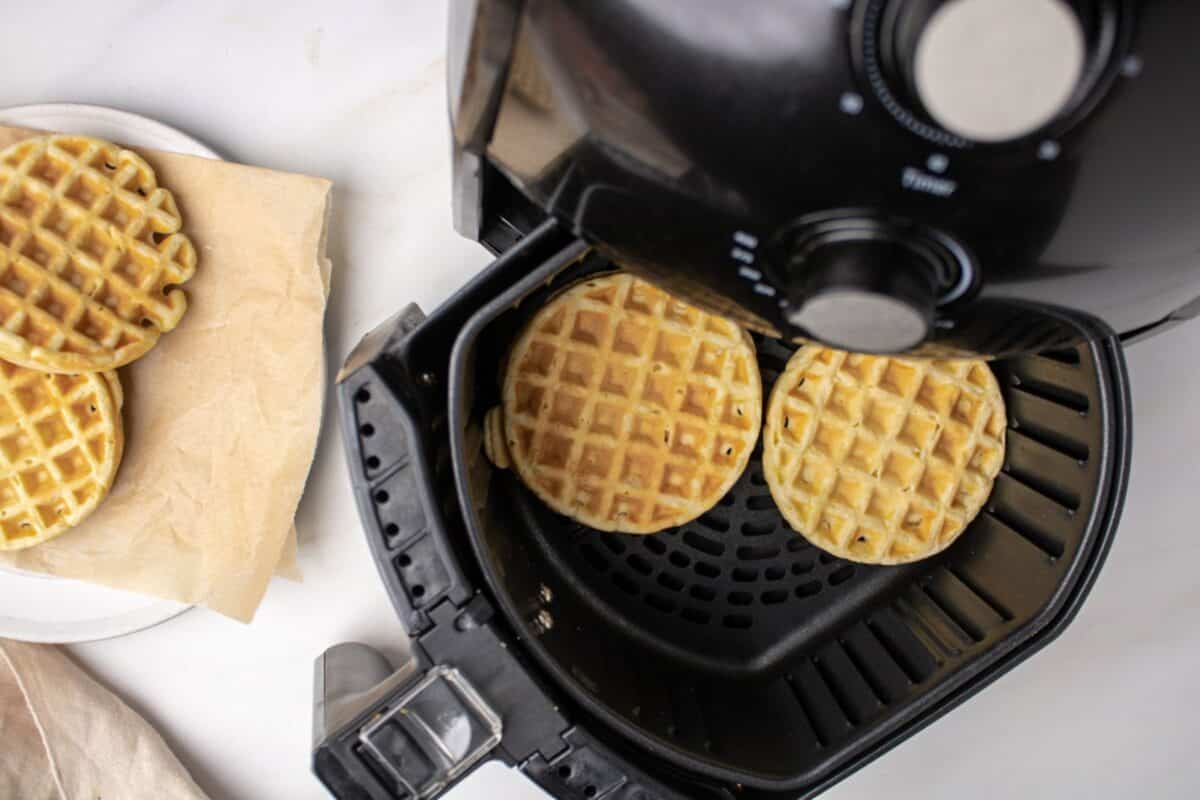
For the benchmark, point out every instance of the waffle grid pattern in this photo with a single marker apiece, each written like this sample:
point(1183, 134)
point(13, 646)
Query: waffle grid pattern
point(90, 255)
point(60, 444)
point(629, 410)
point(882, 460)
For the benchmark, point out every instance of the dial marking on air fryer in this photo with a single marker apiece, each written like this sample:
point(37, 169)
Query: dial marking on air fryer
point(938, 163)
point(851, 103)
point(743, 239)
point(1131, 66)
point(744, 245)
point(919, 180)
point(765, 289)
point(1049, 150)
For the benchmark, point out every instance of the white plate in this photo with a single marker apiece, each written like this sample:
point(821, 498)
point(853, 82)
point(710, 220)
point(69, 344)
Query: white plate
point(38, 608)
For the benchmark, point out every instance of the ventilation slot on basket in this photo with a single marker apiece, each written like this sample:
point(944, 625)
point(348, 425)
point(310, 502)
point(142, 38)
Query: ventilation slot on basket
point(940, 642)
point(613, 543)
point(969, 611)
point(1051, 425)
point(841, 575)
point(879, 668)
point(757, 552)
point(961, 624)
point(853, 693)
point(655, 545)
point(639, 564)
point(1048, 484)
point(927, 617)
point(826, 718)
point(758, 528)
point(669, 581)
point(1064, 356)
point(1024, 518)
point(774, 597)
point(904, 647)
point(714, 522)
point(808, 589)
point(987, 597)
point(803, 567)
point(592, 556)
point(703, 543)
point(1039, 386)
point(760, 502)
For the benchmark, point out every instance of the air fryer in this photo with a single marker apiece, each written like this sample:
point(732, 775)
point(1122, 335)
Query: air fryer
point(801, 168)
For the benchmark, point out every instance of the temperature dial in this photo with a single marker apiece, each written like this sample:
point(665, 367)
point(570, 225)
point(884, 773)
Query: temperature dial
point(993, 70)
point(872, 296)
point(962, 73)
point(868, 283)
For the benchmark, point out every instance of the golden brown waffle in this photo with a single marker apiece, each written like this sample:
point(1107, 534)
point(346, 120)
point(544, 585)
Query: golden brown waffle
point(91, 257)
point(882, 460)
point(627, 409)
point(61, 440)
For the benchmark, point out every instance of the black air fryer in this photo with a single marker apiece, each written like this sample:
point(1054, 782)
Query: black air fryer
point(1011, 179)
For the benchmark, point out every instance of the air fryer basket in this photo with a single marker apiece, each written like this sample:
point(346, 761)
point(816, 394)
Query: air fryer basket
point(734, 649)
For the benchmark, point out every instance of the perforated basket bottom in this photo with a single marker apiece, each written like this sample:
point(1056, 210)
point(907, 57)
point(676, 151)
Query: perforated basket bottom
point(727, 590)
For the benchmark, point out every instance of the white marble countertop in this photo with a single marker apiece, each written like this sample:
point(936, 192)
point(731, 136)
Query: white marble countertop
point(354, 91)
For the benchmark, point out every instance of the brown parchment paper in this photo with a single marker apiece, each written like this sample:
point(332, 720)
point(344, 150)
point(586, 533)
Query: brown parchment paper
point(221, 416)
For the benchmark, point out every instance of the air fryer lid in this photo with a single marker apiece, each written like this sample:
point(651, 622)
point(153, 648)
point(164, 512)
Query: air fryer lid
point(732, 648)
point(710, 143)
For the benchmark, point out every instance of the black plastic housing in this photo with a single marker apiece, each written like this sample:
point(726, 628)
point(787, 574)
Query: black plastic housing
point(770, 667)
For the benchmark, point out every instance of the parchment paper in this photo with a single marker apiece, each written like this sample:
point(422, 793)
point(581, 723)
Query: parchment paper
point(221, 416)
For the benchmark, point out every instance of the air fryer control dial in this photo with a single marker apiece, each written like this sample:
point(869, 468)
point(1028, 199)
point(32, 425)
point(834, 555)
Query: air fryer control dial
point(992, 70)
point(867, 293)
point(961, 73)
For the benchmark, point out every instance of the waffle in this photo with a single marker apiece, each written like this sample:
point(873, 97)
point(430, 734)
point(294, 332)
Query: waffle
point(61, 440)
point(494, 446)
point(882, 460)
point(91, 256)
point(627, 409)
